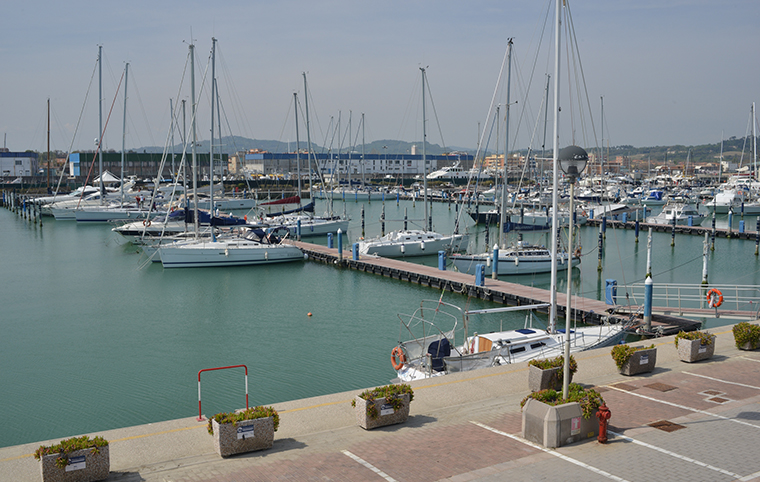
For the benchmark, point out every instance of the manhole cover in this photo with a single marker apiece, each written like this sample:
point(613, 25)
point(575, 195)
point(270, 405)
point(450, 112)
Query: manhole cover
point(625, 386)
point(712, 392)
point(718, 400)
point(666, 426)
point(660, 387)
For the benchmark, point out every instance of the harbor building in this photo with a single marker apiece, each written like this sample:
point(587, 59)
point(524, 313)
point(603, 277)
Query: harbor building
point(17, 164)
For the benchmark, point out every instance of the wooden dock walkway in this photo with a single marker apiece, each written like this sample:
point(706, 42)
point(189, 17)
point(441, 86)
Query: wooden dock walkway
point(680, 229)
point(584, 310)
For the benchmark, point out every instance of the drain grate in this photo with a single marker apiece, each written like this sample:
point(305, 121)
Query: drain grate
point(661, 387)
point(718, 400)
point(666, 426)
point(712, 392)
point(625, 386)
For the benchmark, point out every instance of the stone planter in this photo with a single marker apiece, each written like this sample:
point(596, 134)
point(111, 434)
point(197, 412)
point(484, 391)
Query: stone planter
point(693, 350)
point(244, 436)
point(386, 414)
point(642, 361)
point(749, 346)
point(555, 426)
point(539, 379)
point(84, 466)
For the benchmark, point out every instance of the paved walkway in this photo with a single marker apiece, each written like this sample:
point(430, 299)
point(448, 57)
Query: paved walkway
point(466, 427)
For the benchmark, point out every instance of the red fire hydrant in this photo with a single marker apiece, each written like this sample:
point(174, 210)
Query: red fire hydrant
point(603, 414)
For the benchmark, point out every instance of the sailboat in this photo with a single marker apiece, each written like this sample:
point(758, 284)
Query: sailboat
point(243, 247)
point(415, 242)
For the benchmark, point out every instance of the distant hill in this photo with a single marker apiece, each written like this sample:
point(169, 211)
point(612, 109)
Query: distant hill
point(233, 144)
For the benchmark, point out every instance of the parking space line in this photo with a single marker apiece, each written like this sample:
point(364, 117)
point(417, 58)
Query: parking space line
point(684, 407)
point(369, 466)
point(673, 454)
point(721, 380)
point(552, 452)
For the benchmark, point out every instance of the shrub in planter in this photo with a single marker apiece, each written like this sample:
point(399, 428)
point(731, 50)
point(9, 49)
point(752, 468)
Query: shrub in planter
point(382, 406)
point(549, 373)
point(244, 431)
point(695, 345)
point(77, 459)
point(552, 421)
point(632, 360)
point(746, 336)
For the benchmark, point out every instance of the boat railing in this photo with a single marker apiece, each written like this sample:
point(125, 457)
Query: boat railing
point(685, 298)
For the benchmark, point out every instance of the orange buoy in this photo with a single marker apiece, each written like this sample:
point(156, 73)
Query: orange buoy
point(309, 314)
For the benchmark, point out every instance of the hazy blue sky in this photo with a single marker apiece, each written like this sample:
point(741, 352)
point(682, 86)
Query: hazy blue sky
point(670, 71)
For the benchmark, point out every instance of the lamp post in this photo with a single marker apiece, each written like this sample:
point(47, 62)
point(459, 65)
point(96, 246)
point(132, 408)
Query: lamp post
point(572, 161)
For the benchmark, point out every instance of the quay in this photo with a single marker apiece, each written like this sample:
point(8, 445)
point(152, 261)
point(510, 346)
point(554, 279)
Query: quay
point(683, 421)
point(584, 310)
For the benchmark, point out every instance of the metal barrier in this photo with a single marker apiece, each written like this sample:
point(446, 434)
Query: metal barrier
point(683, 297)
point(200, 414)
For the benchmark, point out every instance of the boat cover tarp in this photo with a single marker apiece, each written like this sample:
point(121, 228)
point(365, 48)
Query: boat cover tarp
point(285, 200)
point(307, 208)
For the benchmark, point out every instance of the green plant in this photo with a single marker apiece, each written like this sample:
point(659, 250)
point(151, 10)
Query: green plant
point(746, 333)
point(248, 414)
point(588, 398)
point(558, 362)
point(65, 447)
point(622, 353)
point(391, 393)
point(704, 337)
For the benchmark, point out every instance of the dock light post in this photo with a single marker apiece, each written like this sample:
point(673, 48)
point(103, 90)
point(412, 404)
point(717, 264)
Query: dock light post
point(572, 161)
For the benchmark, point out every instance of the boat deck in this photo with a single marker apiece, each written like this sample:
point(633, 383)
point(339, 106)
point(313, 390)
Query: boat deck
point(583, 310)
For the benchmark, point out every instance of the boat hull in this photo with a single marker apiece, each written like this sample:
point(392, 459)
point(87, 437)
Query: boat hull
point(217, 254)
point(457, 242)
point(508, 266)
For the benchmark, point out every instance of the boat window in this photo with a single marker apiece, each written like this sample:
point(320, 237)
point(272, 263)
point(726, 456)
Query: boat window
point(525, 331)
point(537, 345)
point(517, 349)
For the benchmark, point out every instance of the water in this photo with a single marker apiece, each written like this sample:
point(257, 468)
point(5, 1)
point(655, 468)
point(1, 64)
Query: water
point(92, 339)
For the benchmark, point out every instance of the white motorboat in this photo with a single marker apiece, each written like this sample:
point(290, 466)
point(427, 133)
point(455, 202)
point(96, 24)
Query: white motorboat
point(682, 213)
point(439, 346)
point(735, 200)
point(251, 247)
point(520, 258)
point(413, 242)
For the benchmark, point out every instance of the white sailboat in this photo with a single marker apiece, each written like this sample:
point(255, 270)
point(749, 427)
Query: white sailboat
point(403, 243)
point(245, 247)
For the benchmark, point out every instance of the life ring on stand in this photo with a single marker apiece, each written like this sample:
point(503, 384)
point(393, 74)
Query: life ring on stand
point(398, 358)
point(714, 298)
point(146, 223)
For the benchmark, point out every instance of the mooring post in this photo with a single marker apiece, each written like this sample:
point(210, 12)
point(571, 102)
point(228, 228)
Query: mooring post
point(712, 242)
point(600, 248)
point(495, 263)
point(648, 287)
point(340, 245)
point(673, 232)
point(363, 221)
point(730, 221)
point(382, 221)
point(649, 253)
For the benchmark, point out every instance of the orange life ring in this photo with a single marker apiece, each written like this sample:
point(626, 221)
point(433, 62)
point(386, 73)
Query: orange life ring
point(398, 358)
point(146, 223)
point(711, 298)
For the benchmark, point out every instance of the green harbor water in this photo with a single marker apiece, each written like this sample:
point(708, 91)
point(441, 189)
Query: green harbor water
point(95, 339)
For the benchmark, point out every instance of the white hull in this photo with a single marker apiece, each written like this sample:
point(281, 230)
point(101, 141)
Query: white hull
point(398, 244)
point(227, 252)
point(509, 265)
point(309, 226)
point(107, 215)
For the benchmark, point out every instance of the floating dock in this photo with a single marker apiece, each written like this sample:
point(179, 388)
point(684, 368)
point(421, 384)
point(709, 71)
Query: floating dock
point(679, 229)
point(584, 310)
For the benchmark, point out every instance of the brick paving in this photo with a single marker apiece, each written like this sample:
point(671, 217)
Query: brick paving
point(715, 402)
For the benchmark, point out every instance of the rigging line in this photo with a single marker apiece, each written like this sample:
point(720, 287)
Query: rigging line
point(582, 75)
point(287, 117)
point(142, 109)
point(435, 113)
point(235, 97)
point(76, 129)
point(407, 110)
point(100, 141)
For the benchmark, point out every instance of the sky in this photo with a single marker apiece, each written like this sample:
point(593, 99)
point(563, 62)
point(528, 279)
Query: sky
point(669, 71)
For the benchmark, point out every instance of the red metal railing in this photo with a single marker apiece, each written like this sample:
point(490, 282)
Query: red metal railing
point(200, 414)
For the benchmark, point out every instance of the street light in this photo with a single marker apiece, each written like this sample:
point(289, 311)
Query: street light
point(572, 161)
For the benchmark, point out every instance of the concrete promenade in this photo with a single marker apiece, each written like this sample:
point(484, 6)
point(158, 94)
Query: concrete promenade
point(466, 427)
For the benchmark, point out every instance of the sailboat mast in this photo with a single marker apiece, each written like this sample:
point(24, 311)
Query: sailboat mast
point(555, 171)
point(308, 131)
point(754, 140)
point(211, 141)
point(298, 146)
point(363, 150)
point(48, 144)
point(427, 221)
point(195, 139)
point(503, 217)
point(124, 131)
point(100, 122)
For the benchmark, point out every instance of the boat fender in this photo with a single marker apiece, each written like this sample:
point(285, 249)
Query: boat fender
point(714, 298)
point(517, 261)
point(398, 358)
